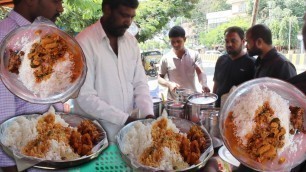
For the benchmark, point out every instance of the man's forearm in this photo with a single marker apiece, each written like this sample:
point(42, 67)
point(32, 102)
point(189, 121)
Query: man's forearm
point(163, 81)
point(202, 79)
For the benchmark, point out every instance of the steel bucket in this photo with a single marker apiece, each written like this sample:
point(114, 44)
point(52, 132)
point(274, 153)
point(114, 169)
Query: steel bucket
point(175, 108)
point(209, 118)
point(157, 106)
point(198, 102)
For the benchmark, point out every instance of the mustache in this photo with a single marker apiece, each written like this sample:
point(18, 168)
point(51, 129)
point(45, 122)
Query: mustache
point(124, 27)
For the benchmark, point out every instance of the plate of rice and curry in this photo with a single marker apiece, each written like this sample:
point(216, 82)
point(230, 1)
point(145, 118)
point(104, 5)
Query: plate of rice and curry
point(52, 140)
point(42, 64)
point(164, 144)
point(262, 125)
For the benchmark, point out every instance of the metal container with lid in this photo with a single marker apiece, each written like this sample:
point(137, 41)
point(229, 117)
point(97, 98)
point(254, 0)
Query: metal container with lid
point(157, 106)
point(209, 118)
point(183, 94)
point(198, 102)
point(175, 108)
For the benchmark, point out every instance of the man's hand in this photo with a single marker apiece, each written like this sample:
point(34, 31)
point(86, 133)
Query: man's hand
point(129, 120)
point(205, 89)
point(172, 86)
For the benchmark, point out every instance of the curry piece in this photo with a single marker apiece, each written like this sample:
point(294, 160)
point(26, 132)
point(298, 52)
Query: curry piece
point(88, 127)
point(268, 135)
point(84, 138)
point(15, 61)
point(192, 146)
point(46, 53)
point(297, 119)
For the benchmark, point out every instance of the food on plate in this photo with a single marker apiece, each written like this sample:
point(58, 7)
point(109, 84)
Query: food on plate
point(161, 145)
point(297, 119)
point(46, 65)
point(49, 137)
point(84, 138)
point(259, 125)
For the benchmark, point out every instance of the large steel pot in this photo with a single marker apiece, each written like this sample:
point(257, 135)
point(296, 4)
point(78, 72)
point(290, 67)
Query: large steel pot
point(175, 108)
point(196, 103)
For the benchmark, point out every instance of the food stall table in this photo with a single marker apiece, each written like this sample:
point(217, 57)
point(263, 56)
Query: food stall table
point(108, 161)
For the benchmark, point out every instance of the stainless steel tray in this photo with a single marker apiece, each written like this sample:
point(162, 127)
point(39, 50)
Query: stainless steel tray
point(183, 125)
point(73, 120)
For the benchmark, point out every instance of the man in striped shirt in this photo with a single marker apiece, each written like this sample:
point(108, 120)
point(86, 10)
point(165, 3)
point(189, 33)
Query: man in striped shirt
point(24, 13)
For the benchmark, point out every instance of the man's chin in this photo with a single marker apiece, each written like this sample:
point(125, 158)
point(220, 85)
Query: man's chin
point(53, 19)
point(119, 33)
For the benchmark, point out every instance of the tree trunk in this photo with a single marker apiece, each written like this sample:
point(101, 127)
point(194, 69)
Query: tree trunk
point(255, 11)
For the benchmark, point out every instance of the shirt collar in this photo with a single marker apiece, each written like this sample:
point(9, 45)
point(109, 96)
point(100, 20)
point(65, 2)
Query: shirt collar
point(19, 19)
point(269, 56)
point(175, 56)
point(103, 34)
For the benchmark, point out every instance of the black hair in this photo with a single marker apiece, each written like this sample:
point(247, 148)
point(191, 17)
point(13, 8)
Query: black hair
point(261, 31)
point(114, 4)
point(176, 31)
point(235, 29)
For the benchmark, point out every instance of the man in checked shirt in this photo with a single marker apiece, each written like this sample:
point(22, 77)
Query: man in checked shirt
point(24, 13)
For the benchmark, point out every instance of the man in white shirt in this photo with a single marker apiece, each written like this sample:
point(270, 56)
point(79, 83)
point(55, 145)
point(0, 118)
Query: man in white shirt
point(181, 64)
point(115, 84)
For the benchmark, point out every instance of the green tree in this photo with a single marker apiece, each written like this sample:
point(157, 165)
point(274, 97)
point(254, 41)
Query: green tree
point(199, 14)
point(282, 17)
point(216, 36)
point(152, 15)
point(4, 11)
point(79, 14)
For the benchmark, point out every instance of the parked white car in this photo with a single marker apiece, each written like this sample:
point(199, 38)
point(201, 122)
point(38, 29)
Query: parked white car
point(213, 52)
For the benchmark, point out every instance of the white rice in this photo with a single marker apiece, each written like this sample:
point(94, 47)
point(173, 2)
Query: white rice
point(58, 81)
point(139, 137)
point(59, 150)
point(23, 130)
point(19, 132)
point(203, 100)
point(172, 160)
point(246, 106)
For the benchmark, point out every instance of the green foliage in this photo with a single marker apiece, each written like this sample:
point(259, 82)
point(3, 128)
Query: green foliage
point(282, 17)
point(79, 14)
point(216, 36)
point(153, 15)
point(3, 12)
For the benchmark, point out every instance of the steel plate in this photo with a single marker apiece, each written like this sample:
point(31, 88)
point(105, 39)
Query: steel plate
point(73, 120)
point(183, 125)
